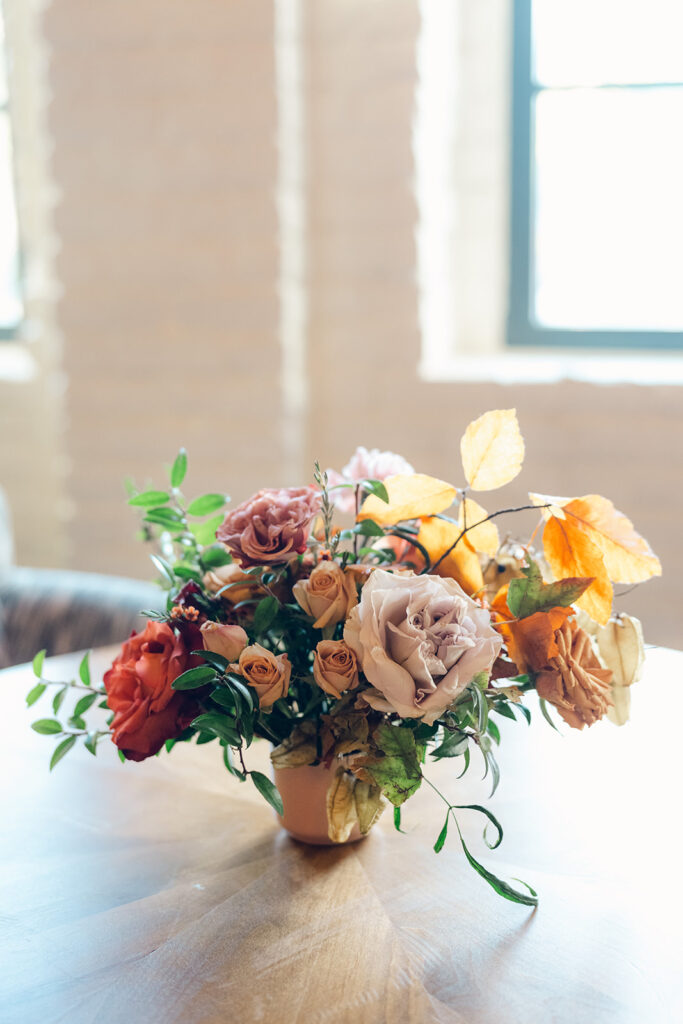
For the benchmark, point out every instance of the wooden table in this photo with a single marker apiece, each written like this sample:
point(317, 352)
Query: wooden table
point(165, 892)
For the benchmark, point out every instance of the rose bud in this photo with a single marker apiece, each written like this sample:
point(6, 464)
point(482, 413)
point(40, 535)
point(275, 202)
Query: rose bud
point(224, 639)
point(266, 672)
point(335, 668)
point(328, 595)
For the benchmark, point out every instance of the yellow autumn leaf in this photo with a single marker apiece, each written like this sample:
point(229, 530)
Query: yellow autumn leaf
point(369, 804)
point(569, 552)
point(492, 450)
point(462, 564)
point(411, 496)
point(483, 538)
point(621, 648)
point(627, 555)
point(619, 709)
point(549, 504)
point(341, 807)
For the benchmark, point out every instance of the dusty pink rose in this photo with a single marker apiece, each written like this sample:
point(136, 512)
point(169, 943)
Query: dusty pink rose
point(268, 673)
point(364, 465)
point(419, 640)
point(328, 595)
point(271, 527)
point(223, 638)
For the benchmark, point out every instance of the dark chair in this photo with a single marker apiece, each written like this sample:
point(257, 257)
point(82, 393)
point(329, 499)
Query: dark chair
point(65, 611)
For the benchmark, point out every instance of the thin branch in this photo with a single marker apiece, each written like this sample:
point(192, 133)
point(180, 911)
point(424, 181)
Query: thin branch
point(494, 515)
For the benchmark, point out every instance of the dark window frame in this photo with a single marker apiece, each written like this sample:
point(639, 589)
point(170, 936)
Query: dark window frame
point(522, 329)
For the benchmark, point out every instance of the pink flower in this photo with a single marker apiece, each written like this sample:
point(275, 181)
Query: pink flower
point(419, 640)
point(364, 465)
point(271, 527)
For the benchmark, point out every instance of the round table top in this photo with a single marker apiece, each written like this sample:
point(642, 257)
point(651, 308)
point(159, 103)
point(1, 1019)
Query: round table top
point(165, 891)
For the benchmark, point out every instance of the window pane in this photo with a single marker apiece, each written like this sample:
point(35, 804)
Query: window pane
point(594, 42)
point(10, 298)
point(609, 209)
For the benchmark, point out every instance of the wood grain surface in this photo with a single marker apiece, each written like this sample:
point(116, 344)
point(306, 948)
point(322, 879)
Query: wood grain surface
point(165, 892)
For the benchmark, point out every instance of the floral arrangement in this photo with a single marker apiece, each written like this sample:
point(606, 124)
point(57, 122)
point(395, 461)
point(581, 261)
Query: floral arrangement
point(377, 647)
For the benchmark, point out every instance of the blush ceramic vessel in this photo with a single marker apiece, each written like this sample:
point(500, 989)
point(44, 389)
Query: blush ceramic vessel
point(304, 798)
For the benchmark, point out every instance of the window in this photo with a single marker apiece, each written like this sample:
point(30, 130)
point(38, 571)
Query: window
point(597, 172)
point(11, 307)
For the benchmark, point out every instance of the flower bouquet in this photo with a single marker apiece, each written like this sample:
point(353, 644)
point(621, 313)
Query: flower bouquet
point(363, 652)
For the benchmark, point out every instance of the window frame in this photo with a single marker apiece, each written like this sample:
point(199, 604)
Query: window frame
point(522, 329)
point(12, 332)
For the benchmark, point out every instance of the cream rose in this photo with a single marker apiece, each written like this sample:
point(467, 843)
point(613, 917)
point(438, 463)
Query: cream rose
point(268, 673)
point(328, 595)
point(419, 640)
point(335, 668)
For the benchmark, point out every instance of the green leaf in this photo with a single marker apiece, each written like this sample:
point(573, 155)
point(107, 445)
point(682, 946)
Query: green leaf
point(33, 695)
point(38, 663)
point(480, 706)
point(498, 885)
point(211, 658)
point(186, 572)
point(47, 726)
point(466, 755)
point(215, 556)
point(76, 722)
point(229, 763)
point(84, 669)
point(194, 678)
point(164, 570)
point(205, 533)
point(58, 699)
point(224, 697)
point(397, 820)
point(530, 594)
point(398, 773)
point(90, 743)
point(268, 790)
point(438, 845)
point(179, 468)
point(368, 528)
point(525, 711)
point(122, 756)
point(219, 725)
point(377, 488)
point(454, 744)
point(206, 737)
point(247, 694)
point(84, 703)
point(61, 749)
point(493, 731)
point(166, 517)
point(504, 709)
point(546, 714)
point(148, 498)
point(265, 612)
point(492, 818)
point(206, 504)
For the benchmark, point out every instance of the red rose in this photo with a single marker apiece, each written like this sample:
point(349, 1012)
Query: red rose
point(147, 711)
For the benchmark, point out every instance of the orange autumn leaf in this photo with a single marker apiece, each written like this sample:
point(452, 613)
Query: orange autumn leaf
point(531, 641)
point(462, 564)
point(570, 551)
point(411, 496)
point(627, 556)
point(492, 450)
point(484, 537)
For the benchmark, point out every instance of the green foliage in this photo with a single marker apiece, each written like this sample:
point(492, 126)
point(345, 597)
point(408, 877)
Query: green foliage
point(397, 820)
point(205, 533)
point(398, 773)
point(454, 744)
point(368, 528)
point(147, 499)
point(268, 790)
point(168, 518)
point(194, 678)
point(265, 612)
point(33, 695)
point(530, 594)
point(47, 726)
point(38, 661)
point(58, 699)
point(84, 703)
point(220, 725)
point(61, 749)
point(215, 556)
point(206, 504)
point(377, 488)
point(179, 469)
point(84, 669)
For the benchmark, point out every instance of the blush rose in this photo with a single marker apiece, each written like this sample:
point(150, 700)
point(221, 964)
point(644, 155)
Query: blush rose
point(419, 640)
point(268, 673)
point(328, 595)
point(272, 527)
